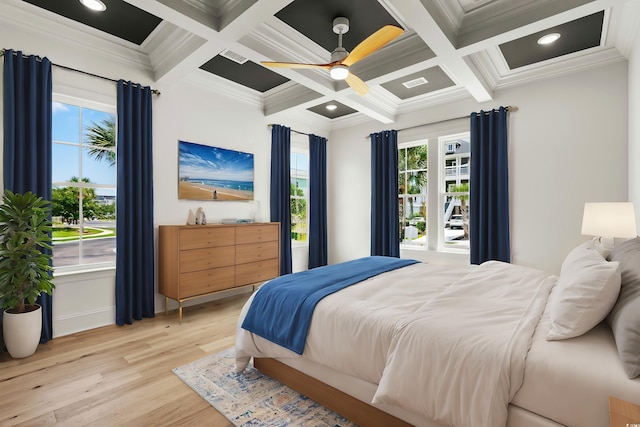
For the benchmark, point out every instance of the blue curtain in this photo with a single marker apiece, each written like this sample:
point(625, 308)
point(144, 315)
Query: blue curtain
point(280, 191)
point(317, 201)
point(134, 205)
point(489, 187)
point(385, 239)
point(27, 138)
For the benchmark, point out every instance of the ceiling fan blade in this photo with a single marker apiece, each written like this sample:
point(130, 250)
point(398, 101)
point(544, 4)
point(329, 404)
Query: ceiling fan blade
point(357, 84)
point(295, 65)
point(372, 43)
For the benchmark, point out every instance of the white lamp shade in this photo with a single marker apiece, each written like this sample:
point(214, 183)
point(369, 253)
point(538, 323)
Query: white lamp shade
point(612, 219)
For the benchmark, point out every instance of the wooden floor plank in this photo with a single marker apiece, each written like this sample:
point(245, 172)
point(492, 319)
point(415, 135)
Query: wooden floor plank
point(119, 375)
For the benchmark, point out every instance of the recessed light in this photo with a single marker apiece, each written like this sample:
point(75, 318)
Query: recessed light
point(96, 5)
point(548, 38)
point(331, 107)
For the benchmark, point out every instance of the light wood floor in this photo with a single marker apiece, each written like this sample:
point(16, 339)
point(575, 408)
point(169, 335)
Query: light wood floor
point(119, 376)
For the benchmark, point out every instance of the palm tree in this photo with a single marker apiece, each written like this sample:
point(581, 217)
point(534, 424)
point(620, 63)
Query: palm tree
point(102, 138)
point(463, 189)
point(413, 164)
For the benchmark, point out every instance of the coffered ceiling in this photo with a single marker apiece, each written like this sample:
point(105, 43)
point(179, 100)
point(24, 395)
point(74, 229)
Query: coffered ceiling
point(450, 49)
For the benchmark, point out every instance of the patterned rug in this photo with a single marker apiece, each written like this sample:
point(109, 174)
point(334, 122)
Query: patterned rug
point(251, 398)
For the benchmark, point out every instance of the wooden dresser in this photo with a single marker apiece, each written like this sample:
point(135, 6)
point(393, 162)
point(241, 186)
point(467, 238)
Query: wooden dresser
point(198, 260)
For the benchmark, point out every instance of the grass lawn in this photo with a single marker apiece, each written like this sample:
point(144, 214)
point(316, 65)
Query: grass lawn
point(68, 233)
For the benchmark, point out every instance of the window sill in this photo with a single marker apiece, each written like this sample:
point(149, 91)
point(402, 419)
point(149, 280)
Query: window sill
point(94, 268)
point(440, 257)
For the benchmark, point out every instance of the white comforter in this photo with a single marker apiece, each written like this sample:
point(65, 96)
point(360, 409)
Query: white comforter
point(449, 344)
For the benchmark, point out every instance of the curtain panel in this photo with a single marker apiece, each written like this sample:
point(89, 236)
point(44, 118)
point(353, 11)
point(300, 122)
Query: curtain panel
point(280, 202)
point(489, 187)
point(318, 252)
point(134, 205)
point(27, 118)
point(385, 239)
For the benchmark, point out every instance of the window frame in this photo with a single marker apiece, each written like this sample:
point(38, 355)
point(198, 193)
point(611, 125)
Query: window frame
point(83, 103)
point(434, 136)
point(443, 191)
point(301, 145)
point(403, 197)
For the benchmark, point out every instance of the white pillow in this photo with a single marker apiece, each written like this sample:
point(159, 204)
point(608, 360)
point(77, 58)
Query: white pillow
point(586, 291)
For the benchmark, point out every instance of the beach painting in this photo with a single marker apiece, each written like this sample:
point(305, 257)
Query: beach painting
point(213, 173)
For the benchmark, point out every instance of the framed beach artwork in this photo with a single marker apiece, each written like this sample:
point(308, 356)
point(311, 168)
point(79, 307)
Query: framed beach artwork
point(214, 173)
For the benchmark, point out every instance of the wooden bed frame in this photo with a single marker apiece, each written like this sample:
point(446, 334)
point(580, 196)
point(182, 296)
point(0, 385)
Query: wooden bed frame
point(349, 407)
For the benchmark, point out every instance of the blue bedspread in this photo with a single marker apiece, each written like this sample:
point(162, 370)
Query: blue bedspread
point(281, 310)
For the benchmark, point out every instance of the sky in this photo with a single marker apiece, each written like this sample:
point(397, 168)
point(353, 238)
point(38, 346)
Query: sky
point(199, 161)
point(69, 124)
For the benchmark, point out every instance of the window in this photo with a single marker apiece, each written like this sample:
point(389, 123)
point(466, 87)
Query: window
point(299, 194)
point(433, 183)
point(412, 197)
point(84, 185)
point(455, 191)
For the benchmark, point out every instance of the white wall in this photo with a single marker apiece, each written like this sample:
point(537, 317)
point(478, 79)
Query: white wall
point(567, 146)
point(185, 112)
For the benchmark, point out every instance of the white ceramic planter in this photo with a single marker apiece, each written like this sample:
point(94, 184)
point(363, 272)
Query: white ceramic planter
point(22, 332)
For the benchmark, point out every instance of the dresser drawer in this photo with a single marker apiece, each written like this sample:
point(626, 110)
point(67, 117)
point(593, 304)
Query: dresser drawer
point(257, 233)
point(203, 259)
point(206, 237)
point(206, 281)
point(256, 252)
point(256, 272)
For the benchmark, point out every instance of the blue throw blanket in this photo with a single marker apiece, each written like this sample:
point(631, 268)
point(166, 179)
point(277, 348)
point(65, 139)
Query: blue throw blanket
point(282, 308)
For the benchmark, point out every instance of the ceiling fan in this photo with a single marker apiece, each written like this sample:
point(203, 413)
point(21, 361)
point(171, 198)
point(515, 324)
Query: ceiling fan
point(341, 60)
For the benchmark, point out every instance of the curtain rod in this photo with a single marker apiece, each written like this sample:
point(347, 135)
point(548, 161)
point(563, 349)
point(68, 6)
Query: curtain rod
point(508, 108)
point(292, 130)
point(154, 91)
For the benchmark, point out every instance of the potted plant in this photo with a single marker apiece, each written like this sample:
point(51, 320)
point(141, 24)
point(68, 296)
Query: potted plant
point(25, 270)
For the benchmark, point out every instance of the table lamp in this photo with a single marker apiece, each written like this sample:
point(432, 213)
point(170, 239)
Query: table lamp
point(608, 220)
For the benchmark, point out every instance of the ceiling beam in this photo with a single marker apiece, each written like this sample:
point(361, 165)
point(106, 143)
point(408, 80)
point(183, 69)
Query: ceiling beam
point(205, 26)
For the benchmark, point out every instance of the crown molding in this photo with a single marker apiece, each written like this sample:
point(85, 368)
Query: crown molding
point(225, 87)
point(433, 99)
point(168, 45)
point(492, 67)
point(281, 42)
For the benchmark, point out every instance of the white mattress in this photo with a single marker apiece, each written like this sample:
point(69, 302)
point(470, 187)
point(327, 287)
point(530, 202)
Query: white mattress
point(364, 391)
point(569, 381)
point(566, 382)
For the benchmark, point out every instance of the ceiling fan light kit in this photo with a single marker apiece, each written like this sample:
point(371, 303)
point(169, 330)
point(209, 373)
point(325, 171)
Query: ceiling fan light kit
point(339, 72)
point(341, 59)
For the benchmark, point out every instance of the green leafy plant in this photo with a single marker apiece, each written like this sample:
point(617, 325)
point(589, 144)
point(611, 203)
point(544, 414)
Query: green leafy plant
point(25, 270)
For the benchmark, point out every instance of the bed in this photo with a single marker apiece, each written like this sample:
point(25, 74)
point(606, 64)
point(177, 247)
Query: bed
point(495, 344)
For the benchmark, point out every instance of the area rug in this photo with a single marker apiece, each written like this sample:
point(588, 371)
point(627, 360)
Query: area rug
point(251, 398)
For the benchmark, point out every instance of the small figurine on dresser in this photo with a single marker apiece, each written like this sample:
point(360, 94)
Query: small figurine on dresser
point(201, 218)
point(191, 218)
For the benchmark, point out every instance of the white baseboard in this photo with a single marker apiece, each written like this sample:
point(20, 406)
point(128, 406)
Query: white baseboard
point(82, 321)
